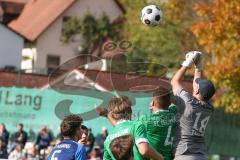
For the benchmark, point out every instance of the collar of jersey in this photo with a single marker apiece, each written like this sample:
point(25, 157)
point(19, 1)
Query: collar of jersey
point(161, 110)
point(122, 121)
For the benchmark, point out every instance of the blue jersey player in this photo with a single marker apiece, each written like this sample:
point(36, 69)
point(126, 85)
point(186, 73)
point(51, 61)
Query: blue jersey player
point(68, 148)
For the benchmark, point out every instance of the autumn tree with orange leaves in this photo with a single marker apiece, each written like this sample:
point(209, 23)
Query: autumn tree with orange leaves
point(217, 30)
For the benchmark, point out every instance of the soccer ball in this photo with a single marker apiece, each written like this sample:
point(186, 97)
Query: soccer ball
point(151, 15)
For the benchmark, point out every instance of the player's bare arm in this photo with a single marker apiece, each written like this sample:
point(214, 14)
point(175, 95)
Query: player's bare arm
point(193, 57)
point(176, 81)
point(147, 151)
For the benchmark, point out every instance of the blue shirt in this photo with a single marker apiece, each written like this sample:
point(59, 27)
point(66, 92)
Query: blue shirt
point(68, 150)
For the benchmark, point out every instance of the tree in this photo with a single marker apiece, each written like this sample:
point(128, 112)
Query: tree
point(167, 43)
point(94, 31)
point(218, 31)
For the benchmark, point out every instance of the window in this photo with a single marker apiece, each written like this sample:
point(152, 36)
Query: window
point(52, 62)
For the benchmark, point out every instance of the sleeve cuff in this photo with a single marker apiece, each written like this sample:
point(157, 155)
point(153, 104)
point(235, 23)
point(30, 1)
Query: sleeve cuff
point(141, 140)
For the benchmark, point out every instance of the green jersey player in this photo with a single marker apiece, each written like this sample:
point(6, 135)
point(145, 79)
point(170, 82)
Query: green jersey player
point(160, 125)
point(122, 147)
point(119, 113)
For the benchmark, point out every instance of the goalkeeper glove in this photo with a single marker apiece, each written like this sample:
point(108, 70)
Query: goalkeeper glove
point(198, 61)
point(192, 57)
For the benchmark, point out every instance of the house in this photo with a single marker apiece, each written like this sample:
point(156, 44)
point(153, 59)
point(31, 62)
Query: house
point(11, 45)
point(41, 23)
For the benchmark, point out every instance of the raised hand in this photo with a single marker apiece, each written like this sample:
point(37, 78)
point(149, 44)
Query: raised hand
point(192, 57)
point(102, 111)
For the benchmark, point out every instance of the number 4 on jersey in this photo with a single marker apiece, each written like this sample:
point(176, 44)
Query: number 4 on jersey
point(169, 139)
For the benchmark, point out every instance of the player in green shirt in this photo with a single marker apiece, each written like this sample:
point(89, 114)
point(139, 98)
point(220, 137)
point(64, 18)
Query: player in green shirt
point(119, 114)
point(122, 147)
point(161, 124)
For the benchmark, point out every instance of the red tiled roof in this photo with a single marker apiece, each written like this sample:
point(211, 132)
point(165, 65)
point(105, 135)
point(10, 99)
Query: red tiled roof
point(38, 15)
point(15, 1)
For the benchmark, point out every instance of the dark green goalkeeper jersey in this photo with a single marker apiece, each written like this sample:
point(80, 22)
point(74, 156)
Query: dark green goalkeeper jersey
point(160, 128)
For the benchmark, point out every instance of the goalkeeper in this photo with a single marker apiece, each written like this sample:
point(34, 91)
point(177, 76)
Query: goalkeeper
point(193, 110)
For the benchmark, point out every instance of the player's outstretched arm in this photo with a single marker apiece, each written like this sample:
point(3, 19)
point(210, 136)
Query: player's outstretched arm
point(197, 74)
point(176, 81)
point(192, 57)
point(198, 67)
point(103, 112)
point(147, 151)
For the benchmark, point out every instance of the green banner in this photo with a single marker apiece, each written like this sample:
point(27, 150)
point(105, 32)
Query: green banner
point(36, 108)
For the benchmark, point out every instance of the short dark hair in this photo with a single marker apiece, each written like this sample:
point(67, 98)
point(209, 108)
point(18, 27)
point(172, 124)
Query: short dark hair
point(20, 124)
point(122, 147)
point(84, 127)
point(70, 125)
point(162, 93)
point(163, 96)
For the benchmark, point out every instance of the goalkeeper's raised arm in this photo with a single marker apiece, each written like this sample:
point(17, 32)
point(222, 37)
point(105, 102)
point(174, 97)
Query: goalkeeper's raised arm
point(193, 57)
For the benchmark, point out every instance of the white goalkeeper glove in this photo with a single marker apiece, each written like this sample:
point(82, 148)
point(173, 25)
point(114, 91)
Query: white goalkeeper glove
point(192, 57)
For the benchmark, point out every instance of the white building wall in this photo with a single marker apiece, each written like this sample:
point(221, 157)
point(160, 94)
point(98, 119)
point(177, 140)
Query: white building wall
point(11, 45)
point(49, 42)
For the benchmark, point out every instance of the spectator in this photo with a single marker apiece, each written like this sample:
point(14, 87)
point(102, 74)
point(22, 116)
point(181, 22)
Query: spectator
point(85, 139)
point(84, 136)
point(91, 140)
point(3, 150)
point(32, 154)
point(19, 137)
point(31, 135)
point(101, 138)
point(44, 139)
point(4, 134)
point(96, 154)
point(18, 153)
point(46, 152)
